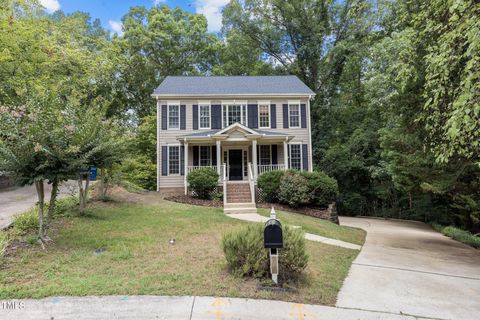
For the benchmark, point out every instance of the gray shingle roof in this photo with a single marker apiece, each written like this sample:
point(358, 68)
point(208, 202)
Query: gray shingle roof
point(231, 85)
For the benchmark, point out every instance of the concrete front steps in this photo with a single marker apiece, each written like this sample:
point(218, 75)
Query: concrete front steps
point(239, 207)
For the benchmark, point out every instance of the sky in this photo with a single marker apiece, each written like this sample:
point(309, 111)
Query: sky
point(110, 12)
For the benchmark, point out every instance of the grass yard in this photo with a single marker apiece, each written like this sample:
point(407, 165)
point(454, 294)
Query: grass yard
point(140, 261)
point(320, 227)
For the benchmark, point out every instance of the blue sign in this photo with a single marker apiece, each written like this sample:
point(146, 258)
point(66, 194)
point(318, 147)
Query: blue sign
point(93, 173)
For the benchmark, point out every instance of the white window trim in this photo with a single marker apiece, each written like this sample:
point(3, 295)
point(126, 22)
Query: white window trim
point(234, 102)
point(179, 160)
point(260, 154)
point(267, 103)
point(202, 104)
point(210, 154)
point(173, 103)
point(290, 155)
point(299, 115)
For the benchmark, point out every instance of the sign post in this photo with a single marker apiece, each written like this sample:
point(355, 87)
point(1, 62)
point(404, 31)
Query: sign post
point(273, 240)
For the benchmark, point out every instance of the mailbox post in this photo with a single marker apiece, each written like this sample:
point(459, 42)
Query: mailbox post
point(273, 240)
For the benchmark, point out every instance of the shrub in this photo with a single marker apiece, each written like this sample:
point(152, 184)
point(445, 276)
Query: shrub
point(269, 182)
point(139, 170)
point(294, 189)
point(3, 243)
point(462, 236)
point(323, 189)
point(27, 221)
point(246, 255)
point(203, 182)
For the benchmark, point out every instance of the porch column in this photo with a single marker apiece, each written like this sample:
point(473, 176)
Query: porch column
point(285, 154)
point(186, 166)
point(219, 157)
point(254, 159)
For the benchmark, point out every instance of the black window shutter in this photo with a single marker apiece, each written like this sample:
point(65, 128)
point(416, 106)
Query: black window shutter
point(285, 115)
point(305, 156)
point(273, 116)
point(195, 117)
point(274, 154)
point(214, 155)
point(216, 117)
point(253, 116)
point(303, 115)
point(164, 117)
point(195, 155)
point(182, 160)
point(164, 157)
point(183, 115)
point(288, 156)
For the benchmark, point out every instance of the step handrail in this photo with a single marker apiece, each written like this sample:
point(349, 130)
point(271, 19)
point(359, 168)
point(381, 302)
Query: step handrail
point(251, 182)
point(224, 184)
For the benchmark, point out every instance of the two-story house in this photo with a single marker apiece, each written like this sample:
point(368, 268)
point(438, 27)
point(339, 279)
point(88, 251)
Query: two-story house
point(242, 126)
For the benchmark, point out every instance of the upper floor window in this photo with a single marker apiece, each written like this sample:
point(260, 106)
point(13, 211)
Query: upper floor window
point(234, 113)
point(294, 115)
point(264, 115)
point(174, 116)
point(295, 157)
point(204, 118)
point(174, 160)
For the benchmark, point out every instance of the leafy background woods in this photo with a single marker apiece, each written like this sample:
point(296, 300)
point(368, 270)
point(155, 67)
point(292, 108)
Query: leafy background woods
point(396, 113)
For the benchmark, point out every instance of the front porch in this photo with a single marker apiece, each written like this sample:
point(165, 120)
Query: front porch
point(239, 153)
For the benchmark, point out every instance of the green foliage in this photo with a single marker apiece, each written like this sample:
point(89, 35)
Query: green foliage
point(269, 182)
point(203, 182)
point(26, 222)
point(459, 235)
point(294, 189)
point(246, 255)
point(323, 189)
point(4, 240)
point(139, 170)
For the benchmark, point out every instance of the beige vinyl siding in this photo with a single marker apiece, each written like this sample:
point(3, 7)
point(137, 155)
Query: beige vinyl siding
point(170, 137)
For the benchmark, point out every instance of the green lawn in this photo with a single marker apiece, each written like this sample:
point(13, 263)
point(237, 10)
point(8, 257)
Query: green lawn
point(319, 227)
point(139, 259)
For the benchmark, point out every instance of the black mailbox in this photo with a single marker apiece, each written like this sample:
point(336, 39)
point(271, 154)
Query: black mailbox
point(272, 234)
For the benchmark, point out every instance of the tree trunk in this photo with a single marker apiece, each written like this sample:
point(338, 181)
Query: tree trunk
point(51, 207)
point(103, 188)
point(83, 192)
point(41, 202)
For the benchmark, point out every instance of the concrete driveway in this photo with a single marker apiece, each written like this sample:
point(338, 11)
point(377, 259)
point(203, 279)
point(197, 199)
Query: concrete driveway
point(406, 267)
point(17, 200)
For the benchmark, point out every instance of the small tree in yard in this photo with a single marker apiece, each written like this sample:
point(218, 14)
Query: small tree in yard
point(203, 182)
point(36, 146)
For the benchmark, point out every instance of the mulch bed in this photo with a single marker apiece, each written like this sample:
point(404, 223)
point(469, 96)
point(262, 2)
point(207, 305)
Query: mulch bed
point(195, 201)
point(15, 245)
point(321, 213)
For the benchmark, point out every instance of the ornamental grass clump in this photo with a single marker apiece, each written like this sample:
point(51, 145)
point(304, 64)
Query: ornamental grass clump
point(247, 257)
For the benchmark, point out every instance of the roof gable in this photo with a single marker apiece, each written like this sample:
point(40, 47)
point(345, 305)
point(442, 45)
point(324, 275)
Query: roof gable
point(232, 86)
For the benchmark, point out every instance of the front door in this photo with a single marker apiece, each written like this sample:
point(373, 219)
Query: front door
point(235, 164)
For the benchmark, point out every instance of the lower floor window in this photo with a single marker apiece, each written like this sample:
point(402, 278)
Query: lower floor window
point(205, 156)
point(174, 160)
point(295, 157)
point(265, 155)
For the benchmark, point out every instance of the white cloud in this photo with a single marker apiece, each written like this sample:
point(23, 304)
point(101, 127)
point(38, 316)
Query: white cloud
point(157, 2)
point(116, 27)
point(50, 5)
point(212, 9)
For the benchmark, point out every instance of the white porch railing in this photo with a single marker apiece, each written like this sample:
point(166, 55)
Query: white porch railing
point(270, 167)
point(251, 181)
point(192, 168)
